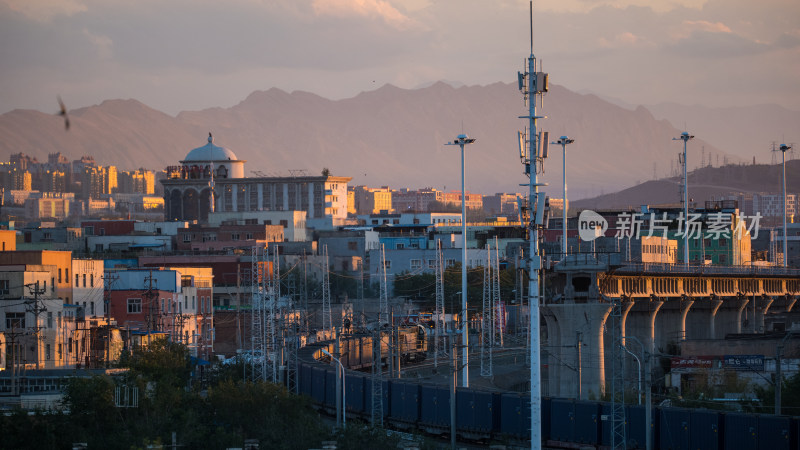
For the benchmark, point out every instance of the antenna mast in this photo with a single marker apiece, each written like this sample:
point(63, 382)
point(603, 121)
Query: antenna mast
point(533, 150)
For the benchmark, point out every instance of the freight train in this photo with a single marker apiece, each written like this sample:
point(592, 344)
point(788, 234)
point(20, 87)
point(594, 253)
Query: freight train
point(505, 416)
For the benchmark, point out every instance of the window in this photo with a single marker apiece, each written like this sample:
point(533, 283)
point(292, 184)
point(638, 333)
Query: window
point(59, 274)
point(249, 236)
point(66, 275)
point(193, 304)
point(15, 320)
point(84, 280)
point(52, 284)
point(723, 259)
point(352, 245)
point(77, 280)
point(416, 264)
point(91, 279)
point(134, 306)
point(723, 242)
point(450, 263)
point(284, 223)
point(4, 287)
point(92, 308)
point(387, 264)
point(234, 236)
point(187, 237)
point(399, 246)
point(49, 320)
point(47, 352)
point(431, 263)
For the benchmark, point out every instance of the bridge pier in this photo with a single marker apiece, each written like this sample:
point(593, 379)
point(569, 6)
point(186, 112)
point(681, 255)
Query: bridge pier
point(762, 307)
point(590, 320)
point(643, 322)
point(790, 301)
point(716, 303)
point(701, 322)
point(686, 304)
point(730, 316)
point(552, 348)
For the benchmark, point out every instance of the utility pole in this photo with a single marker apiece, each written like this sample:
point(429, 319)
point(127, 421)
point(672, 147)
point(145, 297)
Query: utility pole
point(36, 308)
point(149, 294)
point(578, 349)
point(453, 382)
point(13, 335)
point(778, 375)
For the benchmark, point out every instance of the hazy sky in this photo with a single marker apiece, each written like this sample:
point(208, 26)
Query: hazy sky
point(190, 54)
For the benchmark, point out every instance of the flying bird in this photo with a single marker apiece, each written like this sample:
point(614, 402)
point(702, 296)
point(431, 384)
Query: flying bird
point(63, 112)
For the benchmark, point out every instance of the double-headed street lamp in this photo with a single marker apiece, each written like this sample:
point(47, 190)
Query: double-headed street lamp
point(344, 393)
point(685, 137)
point(461, 140)
point(784, 148)
point(564, 141)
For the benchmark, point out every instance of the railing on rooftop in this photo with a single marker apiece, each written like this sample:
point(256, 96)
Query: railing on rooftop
point(615, 259)
point(707, 269)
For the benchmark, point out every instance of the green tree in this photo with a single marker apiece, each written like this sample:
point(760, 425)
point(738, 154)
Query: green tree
point(266, 412)
point(790, 397)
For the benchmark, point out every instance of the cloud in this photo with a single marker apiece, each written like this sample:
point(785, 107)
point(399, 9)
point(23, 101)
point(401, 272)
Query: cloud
point(687, 27)
point(362, 8)
point(585, 6)
point(789, 40)
point(103, 44)
point(45, 10)
point(713, 45)
point(625, 39)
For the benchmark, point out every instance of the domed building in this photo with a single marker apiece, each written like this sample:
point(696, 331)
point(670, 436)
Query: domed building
point(211, 168)
point(211, 157)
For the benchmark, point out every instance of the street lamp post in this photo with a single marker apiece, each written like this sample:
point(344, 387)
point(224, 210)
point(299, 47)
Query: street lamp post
point(784, 148)
point(685, 137)
point(564, 141)
point(344, 392)
point(462, 140)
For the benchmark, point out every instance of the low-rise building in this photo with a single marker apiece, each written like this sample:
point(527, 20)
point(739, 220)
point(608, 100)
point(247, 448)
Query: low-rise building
point(227, 236)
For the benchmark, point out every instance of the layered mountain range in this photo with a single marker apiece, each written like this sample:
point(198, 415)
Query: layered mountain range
point(389, 136)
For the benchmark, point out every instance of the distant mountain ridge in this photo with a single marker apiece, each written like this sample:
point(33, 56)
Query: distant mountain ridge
point(389, 136)
point(704, 184)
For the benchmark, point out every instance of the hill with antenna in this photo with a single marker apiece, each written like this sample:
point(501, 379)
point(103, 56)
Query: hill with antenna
point(704, 184)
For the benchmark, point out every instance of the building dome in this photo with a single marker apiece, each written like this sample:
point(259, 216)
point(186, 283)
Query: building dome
point(210, 152)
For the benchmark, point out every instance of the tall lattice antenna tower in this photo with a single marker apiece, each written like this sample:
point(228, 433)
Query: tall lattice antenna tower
point(383, 315)
point(327, 321)
point(272, 319)
point(439, 313)
point(618, 433)
point(376, 418)
point(292, 339)
point(487, 318)
point(498, 318)
point(258, 359)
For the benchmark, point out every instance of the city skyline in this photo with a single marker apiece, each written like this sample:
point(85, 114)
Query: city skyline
point(185, 56)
